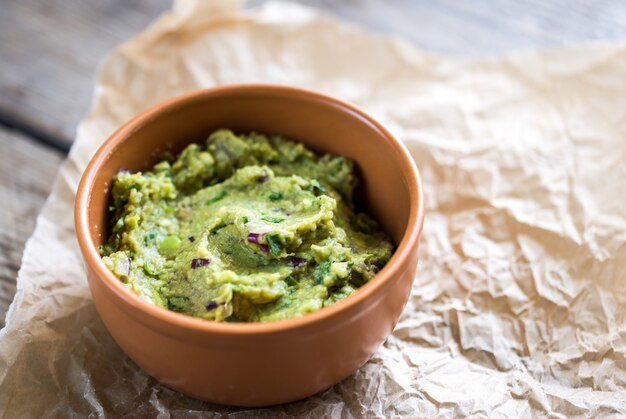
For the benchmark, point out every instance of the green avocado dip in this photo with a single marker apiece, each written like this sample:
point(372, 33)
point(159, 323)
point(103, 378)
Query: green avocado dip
point(249, 228)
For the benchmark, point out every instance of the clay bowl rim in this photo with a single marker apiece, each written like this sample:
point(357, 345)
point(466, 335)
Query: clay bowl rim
point(393, 268)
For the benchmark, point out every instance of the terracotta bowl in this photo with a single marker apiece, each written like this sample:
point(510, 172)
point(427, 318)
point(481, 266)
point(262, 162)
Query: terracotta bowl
point(256, 364)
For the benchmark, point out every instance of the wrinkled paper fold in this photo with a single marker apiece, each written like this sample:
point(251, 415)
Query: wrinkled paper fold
point(519, 304)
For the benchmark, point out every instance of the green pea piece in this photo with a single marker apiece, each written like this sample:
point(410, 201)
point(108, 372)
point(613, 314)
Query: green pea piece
point(169, 245)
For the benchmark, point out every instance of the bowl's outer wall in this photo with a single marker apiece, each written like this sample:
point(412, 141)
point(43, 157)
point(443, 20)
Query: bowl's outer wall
point(251, 369)
point(254, 370)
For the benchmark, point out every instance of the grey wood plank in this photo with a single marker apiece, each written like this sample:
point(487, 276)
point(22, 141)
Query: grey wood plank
point(476, 28)
point(26, 173)
point(49, 51)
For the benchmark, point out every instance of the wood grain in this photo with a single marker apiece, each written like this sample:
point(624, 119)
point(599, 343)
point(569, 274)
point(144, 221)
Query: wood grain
point(49, 51)
point(478, 28)
point(26, 174)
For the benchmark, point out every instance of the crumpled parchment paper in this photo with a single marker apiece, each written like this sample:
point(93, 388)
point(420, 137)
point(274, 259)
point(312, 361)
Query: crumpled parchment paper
point(519, 305)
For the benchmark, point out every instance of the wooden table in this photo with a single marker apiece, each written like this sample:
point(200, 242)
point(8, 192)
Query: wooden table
point(49, 52)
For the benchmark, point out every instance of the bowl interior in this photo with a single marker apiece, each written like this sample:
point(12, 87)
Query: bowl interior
point(319, 122)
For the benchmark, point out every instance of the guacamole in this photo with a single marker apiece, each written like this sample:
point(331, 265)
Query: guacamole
point(247, 228)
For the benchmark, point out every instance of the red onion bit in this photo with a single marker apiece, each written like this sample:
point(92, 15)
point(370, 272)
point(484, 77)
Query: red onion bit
point(255, 237)
point(197, 263)
point(296, 262)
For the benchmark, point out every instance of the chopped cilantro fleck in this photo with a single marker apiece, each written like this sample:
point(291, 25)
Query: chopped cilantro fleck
point(221, 195)
point(317, 187)
point(272, 243)
point(275, 196)
point(273, 219)
point(321, 271)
